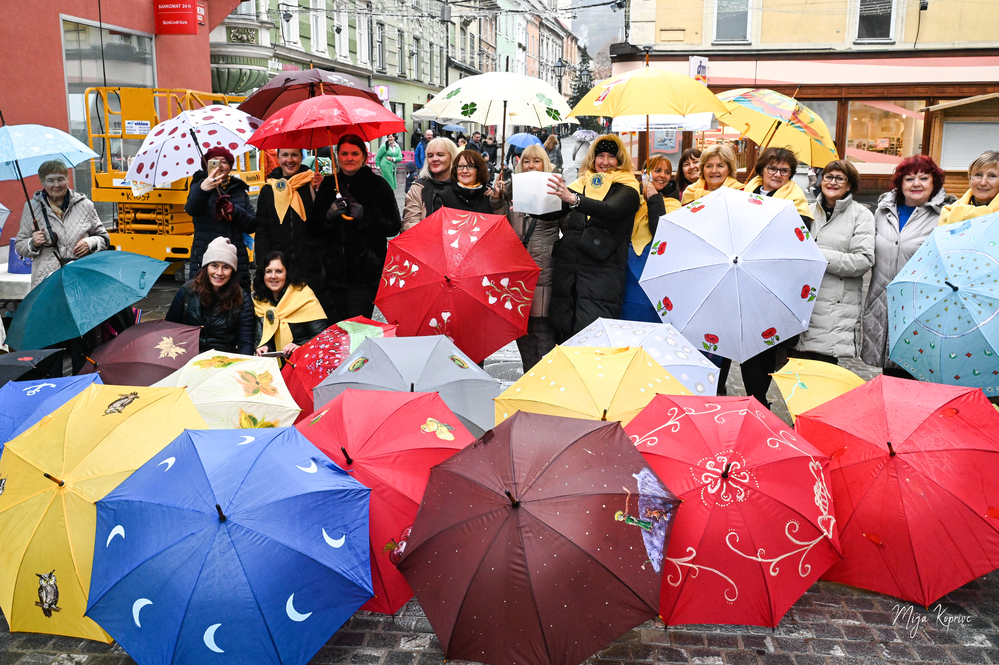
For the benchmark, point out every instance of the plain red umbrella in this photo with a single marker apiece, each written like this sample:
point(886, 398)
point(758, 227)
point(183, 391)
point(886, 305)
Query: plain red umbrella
point(144, 353)
point(540, 543)
point(388, 441)
point(315, 360)
point(462, 274)
point(290, 87)
point(914, 484)
point(756, 528)
point(321, 121)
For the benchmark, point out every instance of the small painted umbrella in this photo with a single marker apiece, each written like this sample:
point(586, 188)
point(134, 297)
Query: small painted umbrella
point(661, 341)
point(522, 140)
point(739, 271)
point(388, 441)
point(53, 474)
point(80, 295)
point(145, 353)
point(170, 153)
point(455, 128)
point(24, 403)
point(942, 306)
point(418, 364)
point(235, 391)
point(586, 382)
point(225, 546)
point(461, 274)
point(554, 547)
point(290, 87)
point(584, 135)
point(806, 384)
point(757, 526)
point(914, 484)
point(315, 360)
point(37, 363)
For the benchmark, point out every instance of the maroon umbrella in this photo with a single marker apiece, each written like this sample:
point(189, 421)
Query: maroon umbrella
point(144, 354)
point(290, 87)
point(540, 543)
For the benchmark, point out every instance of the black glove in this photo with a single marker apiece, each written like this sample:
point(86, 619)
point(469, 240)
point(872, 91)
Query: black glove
point(338, 209)
point(357, 211)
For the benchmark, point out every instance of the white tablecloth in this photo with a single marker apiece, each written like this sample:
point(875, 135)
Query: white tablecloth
point(13, 287)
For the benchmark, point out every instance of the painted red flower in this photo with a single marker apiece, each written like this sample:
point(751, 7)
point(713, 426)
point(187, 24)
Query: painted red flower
point(801, 236)
point(711, 339)
point(769, 332)
point(667, 304)
point(806, 291)
point(25, 358)
point(662, 248)
point(697, 208)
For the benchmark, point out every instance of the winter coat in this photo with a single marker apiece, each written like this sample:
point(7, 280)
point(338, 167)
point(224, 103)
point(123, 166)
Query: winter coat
point(491, 151)
point(555, 157)
point(539, 245)
point(300, 240)
point(846, 239)
point(584, 287)
point(428, 195)
point(420, 154)
point(201, 207)
point(387, 159)
point(354, 250)
point(230, 331)
point(636, 305)
point(891, 251)
point(79, 221)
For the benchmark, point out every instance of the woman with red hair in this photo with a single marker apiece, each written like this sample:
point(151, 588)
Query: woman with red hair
point(905, 217)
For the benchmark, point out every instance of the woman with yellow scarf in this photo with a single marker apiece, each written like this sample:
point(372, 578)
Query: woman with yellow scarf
point(717, 170)
point(591, 259)
point(288, 313)
point(774, 170)
point(982, 197)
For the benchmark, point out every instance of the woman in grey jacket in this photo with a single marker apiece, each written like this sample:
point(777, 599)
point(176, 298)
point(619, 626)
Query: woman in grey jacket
point(905, 217)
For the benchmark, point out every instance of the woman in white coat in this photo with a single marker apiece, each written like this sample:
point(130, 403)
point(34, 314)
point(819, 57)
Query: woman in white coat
point(844, 231)
point(905, 217)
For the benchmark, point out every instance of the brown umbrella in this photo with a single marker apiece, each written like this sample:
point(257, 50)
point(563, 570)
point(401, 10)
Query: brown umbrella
point(290, 87)
point(540, 543)
point(144, 354)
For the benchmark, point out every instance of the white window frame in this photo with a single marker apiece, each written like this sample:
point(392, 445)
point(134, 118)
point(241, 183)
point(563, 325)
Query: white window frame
point(749, 25)
point(363, 40)
point(417, 69)
point(317, 23)
point(288, 30)
point(379, 56)
point(890, 39)
point(342, 39)
point(246, 8)
point(400, 37)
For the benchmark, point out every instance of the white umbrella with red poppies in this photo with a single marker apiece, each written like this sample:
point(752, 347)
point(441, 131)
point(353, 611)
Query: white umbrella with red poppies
point(734, 272)
point(170, 152)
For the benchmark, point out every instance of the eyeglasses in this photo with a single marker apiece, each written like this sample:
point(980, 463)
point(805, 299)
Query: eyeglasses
point(773, 170)
point(979, 177)
point(465, 167)
point(838, 179)
point(56, 180)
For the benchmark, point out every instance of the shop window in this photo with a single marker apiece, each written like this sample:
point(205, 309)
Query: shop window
point(963, 142)
point(880, 134)
point(875, 20)
point(732, 21)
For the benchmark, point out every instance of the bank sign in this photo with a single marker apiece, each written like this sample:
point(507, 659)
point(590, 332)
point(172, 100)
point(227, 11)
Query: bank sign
point(176, 17)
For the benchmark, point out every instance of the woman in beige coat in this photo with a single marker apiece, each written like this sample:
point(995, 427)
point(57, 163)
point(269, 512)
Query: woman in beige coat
point(905, 217)
point(844, 232)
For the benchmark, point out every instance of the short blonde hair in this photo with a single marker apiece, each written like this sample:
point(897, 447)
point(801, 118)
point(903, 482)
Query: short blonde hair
point(434, 144)
point(984, 160)
point(623, 158)
point(532, 151)
point(722, 151)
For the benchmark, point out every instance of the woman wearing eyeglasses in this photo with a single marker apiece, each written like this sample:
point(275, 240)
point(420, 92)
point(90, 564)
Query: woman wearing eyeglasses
point(773, 170)
point(470, 186)
point(844, 231)
point(905, 217)
point(982, 197)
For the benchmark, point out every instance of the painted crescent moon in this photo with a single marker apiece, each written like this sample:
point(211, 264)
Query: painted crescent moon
point(137, 607)
point(289, 607)
point(117, 531)
point(312, 468)
point(210, 638)
point(168, 461)
point(334, 543)
point(246, 440)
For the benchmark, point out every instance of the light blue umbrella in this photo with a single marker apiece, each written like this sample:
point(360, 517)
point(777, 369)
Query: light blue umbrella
point(943, 305)
point(231, 546)
point(26, 147)
point(522, 140)
point(24, 403)
point(455, 128)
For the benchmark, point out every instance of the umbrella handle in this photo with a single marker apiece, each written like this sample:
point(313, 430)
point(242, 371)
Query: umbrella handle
point(336, 181)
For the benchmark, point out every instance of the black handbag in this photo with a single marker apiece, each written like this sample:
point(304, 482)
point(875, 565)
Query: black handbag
point(597, 243)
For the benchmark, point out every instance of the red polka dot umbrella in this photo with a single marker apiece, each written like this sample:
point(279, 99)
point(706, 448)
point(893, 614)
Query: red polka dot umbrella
point(169, 152)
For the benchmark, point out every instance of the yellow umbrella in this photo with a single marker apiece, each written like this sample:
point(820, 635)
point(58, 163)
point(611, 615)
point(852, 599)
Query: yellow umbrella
point(647, 91)
point(772, 119)
point(588, 382)
point(52, 475)
point(806, 384)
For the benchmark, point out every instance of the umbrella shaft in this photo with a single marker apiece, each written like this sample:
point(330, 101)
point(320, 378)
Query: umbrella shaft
point(58, 482)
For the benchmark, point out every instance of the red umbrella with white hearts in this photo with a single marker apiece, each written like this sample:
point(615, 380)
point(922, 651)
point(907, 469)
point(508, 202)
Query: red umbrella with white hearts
point(169, 152)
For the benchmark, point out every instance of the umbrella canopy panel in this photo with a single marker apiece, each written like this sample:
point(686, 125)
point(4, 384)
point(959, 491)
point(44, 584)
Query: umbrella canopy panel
point(805, 384)
point(290, 87)
point(494, 98)
point(648, 92)
point(145, 353)
point(33, 145)
point(24, 403)
point(321, 121)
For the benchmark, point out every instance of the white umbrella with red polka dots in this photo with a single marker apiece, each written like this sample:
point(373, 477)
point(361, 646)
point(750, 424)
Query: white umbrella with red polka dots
point(170, 153)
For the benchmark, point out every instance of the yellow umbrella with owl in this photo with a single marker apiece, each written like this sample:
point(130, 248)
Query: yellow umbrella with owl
point(51, 476)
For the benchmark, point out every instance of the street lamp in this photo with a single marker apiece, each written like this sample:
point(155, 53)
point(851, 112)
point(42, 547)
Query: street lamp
point(559, 68)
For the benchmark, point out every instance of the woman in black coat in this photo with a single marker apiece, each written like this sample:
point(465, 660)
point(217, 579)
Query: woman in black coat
point(591, 259)
point(358, 219)
point(219, 206)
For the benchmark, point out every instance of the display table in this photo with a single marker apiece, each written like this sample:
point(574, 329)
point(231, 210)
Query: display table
point(12, 287)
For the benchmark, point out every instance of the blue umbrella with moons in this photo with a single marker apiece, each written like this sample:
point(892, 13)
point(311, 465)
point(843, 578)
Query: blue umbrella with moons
point(239, 546)
point(24, 403)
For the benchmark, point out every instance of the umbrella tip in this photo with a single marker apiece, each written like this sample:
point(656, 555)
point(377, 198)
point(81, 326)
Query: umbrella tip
point(222, 517)
point(346, 457)
point(725, 472)
point(891, 451)
point(604, 417)
point(60, 483)
point(513, 502)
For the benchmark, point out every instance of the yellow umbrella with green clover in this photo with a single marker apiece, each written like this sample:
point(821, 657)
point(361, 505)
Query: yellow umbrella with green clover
point(233, 391)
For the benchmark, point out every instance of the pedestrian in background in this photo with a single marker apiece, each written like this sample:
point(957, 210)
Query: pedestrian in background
point(214, 301)
point(433, 185)
point(420, 152)
point(982, 197)
point(689, 170)
point(843, 229)
point(415, 139)
point(476, 142)
point(288, 313)
point(554, 150)
point(387, 157)
point(904, 218)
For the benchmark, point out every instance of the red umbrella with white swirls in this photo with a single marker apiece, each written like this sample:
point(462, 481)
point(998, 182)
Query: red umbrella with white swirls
point(756, 527)
point(461, 274)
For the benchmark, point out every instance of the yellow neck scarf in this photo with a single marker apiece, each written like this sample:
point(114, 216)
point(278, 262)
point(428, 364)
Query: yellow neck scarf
point(596, 185)
point(298, 305)
point(696, 190)
point(286, 193)
point(962, 210)
point(790, 192)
